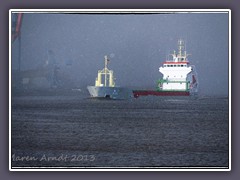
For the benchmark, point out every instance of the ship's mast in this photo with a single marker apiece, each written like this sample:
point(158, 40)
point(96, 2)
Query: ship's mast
point(180, 47)
point(181, 56)
point(182, 53)
point(105, 71)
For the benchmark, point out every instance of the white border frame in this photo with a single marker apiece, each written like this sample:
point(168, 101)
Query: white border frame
point(135, 11)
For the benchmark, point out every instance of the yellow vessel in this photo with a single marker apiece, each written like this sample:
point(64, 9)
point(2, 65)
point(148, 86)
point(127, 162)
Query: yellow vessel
point(105, 85)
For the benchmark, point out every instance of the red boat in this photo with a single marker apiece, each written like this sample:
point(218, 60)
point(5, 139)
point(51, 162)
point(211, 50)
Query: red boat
point(137, 93)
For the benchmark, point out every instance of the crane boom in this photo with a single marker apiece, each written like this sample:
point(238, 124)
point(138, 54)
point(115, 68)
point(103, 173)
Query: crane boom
point(16, 25)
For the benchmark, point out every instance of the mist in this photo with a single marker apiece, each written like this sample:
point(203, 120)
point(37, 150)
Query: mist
point(136, 44)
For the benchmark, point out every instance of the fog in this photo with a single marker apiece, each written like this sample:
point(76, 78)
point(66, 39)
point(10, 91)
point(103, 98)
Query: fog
point(136, 44)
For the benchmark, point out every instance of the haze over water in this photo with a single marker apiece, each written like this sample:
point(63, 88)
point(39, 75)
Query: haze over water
point(137, 45)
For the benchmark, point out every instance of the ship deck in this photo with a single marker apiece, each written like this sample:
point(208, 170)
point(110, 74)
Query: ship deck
point(137, 93)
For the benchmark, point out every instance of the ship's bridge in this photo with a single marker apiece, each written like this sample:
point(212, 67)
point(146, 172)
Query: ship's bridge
point(175, 71)
point(175, 64)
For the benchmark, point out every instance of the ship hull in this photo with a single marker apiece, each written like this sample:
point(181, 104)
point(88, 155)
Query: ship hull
point(138, 93)
point(109, 92)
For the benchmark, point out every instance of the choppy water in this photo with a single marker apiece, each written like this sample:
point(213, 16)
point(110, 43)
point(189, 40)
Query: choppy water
point(74, 131)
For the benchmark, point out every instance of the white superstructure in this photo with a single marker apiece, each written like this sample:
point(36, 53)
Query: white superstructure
point(178, 75)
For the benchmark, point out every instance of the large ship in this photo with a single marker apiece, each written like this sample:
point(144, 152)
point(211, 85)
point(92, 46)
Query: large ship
point(179, 77)
point(105, 85)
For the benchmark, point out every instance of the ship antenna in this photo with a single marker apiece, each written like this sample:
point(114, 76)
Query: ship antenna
point(180, 47)
point(105, 70)
point(186, 49)
point(106, 59)
point(186, 46)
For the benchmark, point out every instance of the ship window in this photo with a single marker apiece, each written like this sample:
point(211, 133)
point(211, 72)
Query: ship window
point(181, 65)
point(171, 65)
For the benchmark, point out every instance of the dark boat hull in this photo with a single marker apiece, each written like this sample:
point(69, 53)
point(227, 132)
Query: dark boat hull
point(138, 93)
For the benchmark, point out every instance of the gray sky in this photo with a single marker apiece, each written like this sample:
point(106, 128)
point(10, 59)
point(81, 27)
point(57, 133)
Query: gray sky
point(136, 44)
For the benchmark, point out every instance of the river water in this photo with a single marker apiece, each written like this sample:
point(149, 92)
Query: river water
point(54, 131)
